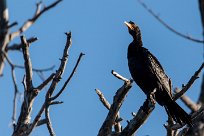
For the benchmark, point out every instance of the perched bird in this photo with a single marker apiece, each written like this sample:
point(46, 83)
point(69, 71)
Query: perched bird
point(149, 75)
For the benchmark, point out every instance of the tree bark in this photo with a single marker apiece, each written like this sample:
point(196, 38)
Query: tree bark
point(4, 37)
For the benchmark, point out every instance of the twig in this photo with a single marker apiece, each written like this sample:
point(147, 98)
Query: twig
point(49, 124)
point(19, 45)
point(12, 25)
point(33, 69)
point(15, 89)
point(41, 122)
point(49, 79)
point(103, 99)
point(23, 67)
point(70, 77)
point(167, 26)
point(119, 76)
point(15, 96)
point(56, 102)
point(29, 22)
point(118, 99)
point(187, 101)
point(117, 125)
point(190, 82)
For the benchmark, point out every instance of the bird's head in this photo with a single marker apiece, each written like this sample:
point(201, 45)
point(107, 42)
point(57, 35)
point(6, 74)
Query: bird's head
point(134, 30)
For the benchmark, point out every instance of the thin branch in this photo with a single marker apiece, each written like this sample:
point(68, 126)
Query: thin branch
point(49, 79)
point(18, 46)
point(36, 69)
point(15, 89)
point(188, 102)
point(56, 102)
point(12, 25)
point(27, 63)
point(103, 99)
point(23, 67)
point(119, 76)
point(117, 125)
point(15, 96)
point(49, 124)
point(190, 82)
point(41, 122)
point(30, 22)
point(62, 66)
point(119, 97)
point(70, 77)
point(167, 26)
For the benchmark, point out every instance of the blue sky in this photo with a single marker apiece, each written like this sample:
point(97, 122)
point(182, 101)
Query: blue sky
point(99, 32)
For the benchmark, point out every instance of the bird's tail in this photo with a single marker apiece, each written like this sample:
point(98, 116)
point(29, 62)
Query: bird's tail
point(176, 112)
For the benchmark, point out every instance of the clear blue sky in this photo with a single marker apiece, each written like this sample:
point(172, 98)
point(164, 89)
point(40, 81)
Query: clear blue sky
point(98, 31)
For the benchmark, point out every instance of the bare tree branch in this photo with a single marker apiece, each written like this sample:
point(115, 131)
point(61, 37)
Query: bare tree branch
point(187, 101)
point(49, 79)
point(54, 83)
point(142, 115)
point(167, 26)
point(119, 76)
point(15, 97)
point(190, 82)
point(103, 99)
point(56, 102)
point(12, 25)
point(117, 125)
point(106, 128)
point(62, 66)
point(29, 22)
point(27, 63)
point(70, 77)
point(41, 122)
point(49, 124)
point(18, 46)
point(29, 93)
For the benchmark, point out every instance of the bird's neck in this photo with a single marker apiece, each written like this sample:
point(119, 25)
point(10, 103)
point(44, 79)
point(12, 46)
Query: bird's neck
point(137, 40)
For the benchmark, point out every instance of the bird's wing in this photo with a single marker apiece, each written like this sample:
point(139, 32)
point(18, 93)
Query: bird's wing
point(158, 71)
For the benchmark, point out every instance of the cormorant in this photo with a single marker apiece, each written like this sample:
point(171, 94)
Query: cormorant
point(149, 75)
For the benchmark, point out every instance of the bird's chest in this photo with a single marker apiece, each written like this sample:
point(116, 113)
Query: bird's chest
point(138, 68)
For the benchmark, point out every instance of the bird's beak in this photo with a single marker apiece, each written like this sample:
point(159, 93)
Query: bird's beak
point(128, 25)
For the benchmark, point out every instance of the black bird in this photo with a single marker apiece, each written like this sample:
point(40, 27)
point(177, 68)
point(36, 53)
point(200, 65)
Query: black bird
point(149, 75)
